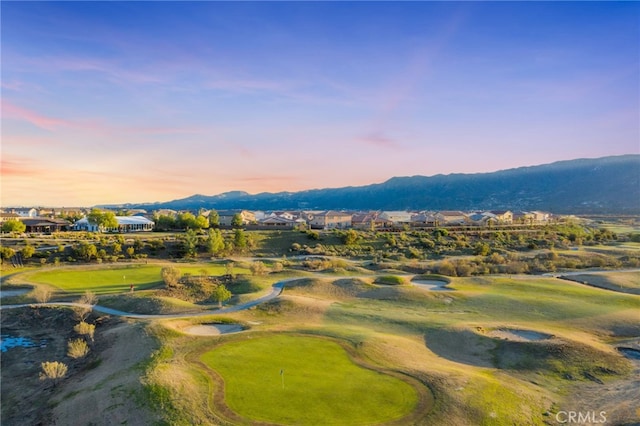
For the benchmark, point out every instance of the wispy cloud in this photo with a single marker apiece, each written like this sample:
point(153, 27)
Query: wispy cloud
point(10, 110)
point(379, 140)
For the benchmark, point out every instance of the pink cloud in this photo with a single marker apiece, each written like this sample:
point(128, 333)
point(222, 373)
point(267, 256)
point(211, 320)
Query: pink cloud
point(379, 140)
point(10, 110)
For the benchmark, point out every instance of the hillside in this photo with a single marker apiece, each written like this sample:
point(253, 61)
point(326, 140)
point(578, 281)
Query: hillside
point(602, 185)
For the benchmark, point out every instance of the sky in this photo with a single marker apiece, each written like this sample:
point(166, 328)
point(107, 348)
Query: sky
point(115, 102)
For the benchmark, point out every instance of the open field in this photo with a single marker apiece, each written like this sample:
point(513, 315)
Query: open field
point(490, 349)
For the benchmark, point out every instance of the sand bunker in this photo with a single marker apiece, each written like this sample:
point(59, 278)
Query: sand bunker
point(433, 285)
point(11, 293)
point(213, 329)
point(519, 335)
point(630, 353)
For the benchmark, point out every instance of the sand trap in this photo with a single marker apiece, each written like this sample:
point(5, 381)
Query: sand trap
point(11, 293)
point(519, 335)
point(213, 329)
point(630, 353)
point(433, 285)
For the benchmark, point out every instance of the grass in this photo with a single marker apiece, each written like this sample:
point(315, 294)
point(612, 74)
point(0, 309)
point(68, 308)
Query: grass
point(322, 385)
point(117, 279)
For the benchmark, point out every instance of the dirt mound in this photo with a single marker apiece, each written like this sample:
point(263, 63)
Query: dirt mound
point(86, 395)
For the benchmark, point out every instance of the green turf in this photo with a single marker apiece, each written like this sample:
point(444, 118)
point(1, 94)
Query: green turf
point(118, 279)
point(321, 384)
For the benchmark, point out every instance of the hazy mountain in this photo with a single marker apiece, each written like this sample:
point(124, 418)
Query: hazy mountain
point(602, 185)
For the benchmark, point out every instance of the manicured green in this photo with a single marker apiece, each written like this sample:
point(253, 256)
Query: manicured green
point(117, 279)
point(322, 385)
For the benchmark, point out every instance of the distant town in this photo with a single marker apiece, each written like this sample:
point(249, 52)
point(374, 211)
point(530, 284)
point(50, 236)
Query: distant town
point(46, 220)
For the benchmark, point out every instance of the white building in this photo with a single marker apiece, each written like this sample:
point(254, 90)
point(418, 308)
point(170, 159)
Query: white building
point(125, 224)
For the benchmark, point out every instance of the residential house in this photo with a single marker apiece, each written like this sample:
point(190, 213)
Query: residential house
point(367, 221)
point(226, 217)
point(483, 219)
point(451, 218)
point(26, 212)
point(396, 217)
point(331, 220)
point(424, 219)
point(504, 217)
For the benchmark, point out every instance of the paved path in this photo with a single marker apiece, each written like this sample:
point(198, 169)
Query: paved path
point(276, 290)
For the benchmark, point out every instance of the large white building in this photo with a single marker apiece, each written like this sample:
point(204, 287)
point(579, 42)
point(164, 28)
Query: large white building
point(125, 224)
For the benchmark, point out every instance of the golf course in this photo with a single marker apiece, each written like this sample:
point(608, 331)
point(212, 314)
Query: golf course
point(319, 340)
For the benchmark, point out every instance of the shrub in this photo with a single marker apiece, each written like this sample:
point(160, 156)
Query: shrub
point(77, 348)
point(42, 295)
point(258, 268)
point(85, 329)
point(53, 370)
point(170, 276)
point(447, 268)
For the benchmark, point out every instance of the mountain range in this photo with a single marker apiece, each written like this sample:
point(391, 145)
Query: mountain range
point(608, 185)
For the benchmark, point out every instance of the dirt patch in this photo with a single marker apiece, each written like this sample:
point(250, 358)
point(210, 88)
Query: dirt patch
point(518, 335)
point(213, 329)
point(98, 389)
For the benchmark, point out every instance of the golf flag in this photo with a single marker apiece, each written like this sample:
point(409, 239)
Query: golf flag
point(281, 372)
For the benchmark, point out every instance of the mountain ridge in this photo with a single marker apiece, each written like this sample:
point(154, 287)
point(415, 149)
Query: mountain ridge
point(586, 185)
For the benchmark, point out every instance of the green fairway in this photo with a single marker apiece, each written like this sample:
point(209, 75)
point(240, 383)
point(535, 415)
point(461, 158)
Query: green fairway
point(118, 279)
point(305, 380)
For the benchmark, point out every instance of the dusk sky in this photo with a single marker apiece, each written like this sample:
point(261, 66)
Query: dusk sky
point(114, 102)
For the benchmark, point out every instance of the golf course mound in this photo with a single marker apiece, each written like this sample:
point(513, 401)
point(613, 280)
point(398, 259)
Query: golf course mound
point(301, 380)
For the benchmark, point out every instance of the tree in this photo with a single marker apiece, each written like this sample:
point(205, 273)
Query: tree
point(27, 251)
point(89, 299)
point(215, 242)
point(85, 329)
point(164, 222)
point(201, 222)
point(130, 252)
point(13, 225)
point(239, 239)
point(53, 370)
point(481, 249)
point(220, 294)
point(214, 219)
point(189, 243)
point(228, 270)
point(116, 249)
point(6, 253)
point(186, 220)
point(237, 221)
point(77, 348)
point(86, 250)
point(170, 276)
point(350, 237)
point(103, 220)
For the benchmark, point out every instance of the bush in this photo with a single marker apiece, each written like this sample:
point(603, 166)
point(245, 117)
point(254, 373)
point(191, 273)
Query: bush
point(170, 276)
point(77, 348)
point(85, 329)
point(258, 268)
point(53, 370)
